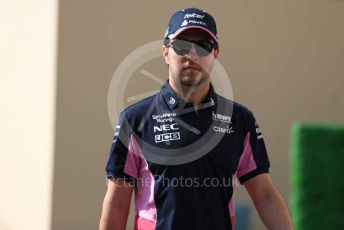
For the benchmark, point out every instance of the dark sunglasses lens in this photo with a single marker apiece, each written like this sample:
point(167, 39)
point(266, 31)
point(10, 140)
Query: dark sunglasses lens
point(203, 48)
point(181, 47)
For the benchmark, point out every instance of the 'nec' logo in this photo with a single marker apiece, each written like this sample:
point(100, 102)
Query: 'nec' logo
point(166, 127)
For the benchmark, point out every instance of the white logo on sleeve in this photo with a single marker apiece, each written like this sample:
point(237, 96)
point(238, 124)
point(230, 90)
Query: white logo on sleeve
point(258, 131)
point(116, 133)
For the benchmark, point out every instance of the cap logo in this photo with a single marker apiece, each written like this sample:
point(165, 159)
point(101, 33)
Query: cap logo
point(193, 15)
point(198, 22)
point(184, 23)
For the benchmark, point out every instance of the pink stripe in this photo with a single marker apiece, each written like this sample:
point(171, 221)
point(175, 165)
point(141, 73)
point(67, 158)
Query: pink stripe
point(246, 162)
point(144, 200)
point(143, 224)
point(231, 202)
point(132, 161)
point(144, 193)
point(190, 27)
point(246, 165)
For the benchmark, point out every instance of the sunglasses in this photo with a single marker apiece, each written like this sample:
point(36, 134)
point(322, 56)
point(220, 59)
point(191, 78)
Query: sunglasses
point(203, 48)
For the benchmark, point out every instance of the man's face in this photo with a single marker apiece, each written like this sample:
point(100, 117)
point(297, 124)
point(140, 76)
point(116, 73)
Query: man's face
point(191, 68)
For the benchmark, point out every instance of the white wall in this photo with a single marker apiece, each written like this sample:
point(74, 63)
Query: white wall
point(28, 34)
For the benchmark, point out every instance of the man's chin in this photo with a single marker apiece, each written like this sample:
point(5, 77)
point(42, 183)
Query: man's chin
point(191, 81)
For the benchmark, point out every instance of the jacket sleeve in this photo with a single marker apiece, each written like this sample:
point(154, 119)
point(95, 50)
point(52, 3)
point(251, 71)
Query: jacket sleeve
point(123, 161)
point(254, 158)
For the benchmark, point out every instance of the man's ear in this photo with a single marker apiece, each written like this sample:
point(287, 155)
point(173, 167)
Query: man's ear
point(216, 52)
point(164, 50)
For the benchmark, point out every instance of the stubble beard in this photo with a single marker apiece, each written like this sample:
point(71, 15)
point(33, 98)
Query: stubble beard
point(189, 80)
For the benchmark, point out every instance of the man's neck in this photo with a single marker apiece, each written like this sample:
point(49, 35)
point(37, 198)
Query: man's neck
point(191, 94)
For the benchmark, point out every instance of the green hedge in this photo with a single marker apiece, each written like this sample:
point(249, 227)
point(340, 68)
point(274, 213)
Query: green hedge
point(317, 199)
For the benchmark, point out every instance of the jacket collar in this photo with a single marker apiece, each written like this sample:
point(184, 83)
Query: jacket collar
point(173, 101)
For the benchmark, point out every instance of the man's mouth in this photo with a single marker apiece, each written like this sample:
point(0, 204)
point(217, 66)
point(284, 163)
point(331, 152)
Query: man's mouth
point(192, 68)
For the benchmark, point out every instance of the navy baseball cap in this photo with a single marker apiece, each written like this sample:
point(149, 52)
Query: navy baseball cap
point(191, 18)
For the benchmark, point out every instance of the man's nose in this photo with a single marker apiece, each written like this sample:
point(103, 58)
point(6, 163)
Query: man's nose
point(192, 54)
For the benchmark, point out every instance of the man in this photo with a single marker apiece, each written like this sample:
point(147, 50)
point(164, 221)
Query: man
point(177, 148)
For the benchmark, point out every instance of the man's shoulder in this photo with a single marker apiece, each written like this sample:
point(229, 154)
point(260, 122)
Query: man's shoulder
point(237, 107)
point(141, 107)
